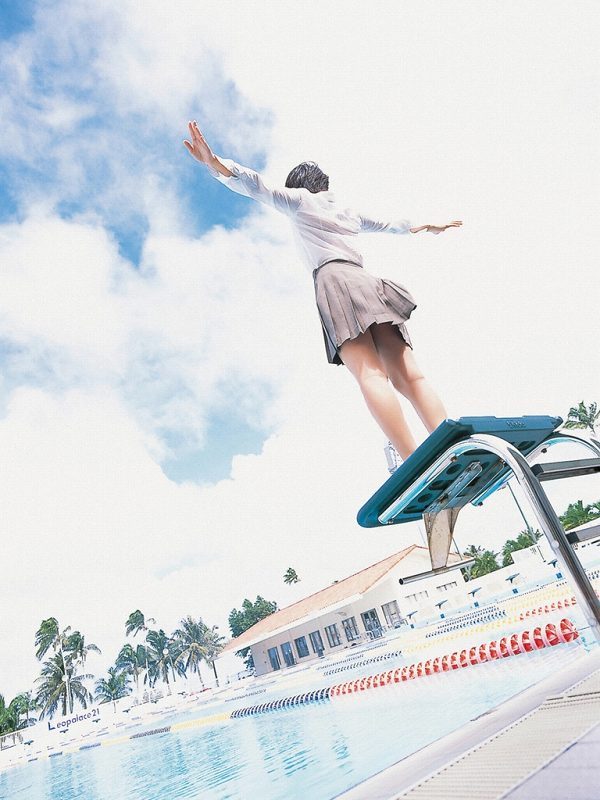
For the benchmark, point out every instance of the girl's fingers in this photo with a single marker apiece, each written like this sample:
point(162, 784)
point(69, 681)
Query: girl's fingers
point(198, 132)
point(196, 135)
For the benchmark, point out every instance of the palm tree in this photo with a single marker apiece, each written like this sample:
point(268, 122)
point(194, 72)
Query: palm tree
point(135, 623)
point(485, 561)
point(112, 688)
point(23, 704)
point(190, 641)
point(9, 717)
point(470, 552)
point(583, 417)
point(133, 661)
point(70, 645)
point(578, 514)
point(49, 636)
point(291, 576)
point(162, 653)
point(214, 644)
point(76, 644)
point(521, 542)
point(59, 685)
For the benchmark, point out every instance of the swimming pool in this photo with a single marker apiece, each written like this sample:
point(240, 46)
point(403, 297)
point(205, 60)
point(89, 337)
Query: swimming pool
point(313, 752)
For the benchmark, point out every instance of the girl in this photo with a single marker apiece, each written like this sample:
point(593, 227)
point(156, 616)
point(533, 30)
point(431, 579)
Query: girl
point(363, 317)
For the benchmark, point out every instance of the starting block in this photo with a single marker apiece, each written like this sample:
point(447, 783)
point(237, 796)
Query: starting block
point(464, 462)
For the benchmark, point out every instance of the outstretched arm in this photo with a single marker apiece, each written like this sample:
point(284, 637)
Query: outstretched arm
point(240, 179)
point(437, 228)
point(402, 226)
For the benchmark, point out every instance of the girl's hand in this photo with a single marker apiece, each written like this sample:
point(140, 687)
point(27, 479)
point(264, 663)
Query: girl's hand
point(439, 228)
point(199, 147)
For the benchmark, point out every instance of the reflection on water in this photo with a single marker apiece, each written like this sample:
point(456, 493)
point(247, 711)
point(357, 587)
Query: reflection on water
point(309, 753)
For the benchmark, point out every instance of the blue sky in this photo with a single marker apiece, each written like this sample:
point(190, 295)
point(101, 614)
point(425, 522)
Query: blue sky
point(108, 142)
point(16, 17)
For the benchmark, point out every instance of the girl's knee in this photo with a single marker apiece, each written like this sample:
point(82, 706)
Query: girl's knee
point(407, 385)
point(371, 377)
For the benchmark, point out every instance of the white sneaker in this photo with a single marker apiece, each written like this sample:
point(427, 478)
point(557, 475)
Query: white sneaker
point(392, 457)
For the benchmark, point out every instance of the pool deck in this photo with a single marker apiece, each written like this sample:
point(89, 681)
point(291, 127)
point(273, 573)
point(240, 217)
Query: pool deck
point(543, 743)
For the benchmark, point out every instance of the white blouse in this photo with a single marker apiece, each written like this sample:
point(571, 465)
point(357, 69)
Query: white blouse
point(322, 231)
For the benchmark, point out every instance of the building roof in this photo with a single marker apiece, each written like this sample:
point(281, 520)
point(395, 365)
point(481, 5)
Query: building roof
point(338, 594)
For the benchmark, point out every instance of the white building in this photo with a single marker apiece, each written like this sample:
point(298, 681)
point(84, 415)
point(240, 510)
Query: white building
point(351, 611)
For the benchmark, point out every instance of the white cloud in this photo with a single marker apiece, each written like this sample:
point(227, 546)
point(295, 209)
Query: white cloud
point(435, 115)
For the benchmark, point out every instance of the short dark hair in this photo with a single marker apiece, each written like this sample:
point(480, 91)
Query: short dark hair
point(308, 175)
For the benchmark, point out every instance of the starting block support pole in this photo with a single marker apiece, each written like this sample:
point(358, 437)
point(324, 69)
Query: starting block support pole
point(548, 521)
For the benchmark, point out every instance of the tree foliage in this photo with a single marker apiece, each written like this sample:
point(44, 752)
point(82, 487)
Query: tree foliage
point(10, 715)
point(191, 644)
point(291, 576)
point(250, 614)
point(521, 542)
point(162, 657)
point(114, 687)
point(133, 661)
point(583, 417)
point(578, 514)
point(486, 561)
point(59, 685)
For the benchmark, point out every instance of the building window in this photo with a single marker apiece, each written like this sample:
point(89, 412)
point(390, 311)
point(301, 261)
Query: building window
point(333, 636)
point(372, 625)
point(418, 596)
point(392, 614)
point(350, 629)
point(445, 586)
point(301, 647)
point(316, 642)
point(288, 656)
point(274, 658)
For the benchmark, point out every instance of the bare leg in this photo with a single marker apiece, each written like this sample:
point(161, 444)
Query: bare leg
point(364, 362)
point(405, 375)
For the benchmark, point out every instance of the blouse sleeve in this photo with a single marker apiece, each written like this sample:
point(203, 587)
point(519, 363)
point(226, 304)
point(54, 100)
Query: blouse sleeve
point(249, 183)
point(394, 226)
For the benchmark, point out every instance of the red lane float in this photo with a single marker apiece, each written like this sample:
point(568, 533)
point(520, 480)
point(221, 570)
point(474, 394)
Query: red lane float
point(547, 609)
point(525, 642)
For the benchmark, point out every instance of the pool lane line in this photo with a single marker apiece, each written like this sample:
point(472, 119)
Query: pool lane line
point(195, 723)
point(316, 696)
point(432, 639)
point(510, 645)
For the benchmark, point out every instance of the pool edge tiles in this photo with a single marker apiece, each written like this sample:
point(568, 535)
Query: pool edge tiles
point(393, 782)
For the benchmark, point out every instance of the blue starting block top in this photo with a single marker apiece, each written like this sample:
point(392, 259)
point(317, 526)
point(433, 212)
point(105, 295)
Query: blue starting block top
point(480, 467)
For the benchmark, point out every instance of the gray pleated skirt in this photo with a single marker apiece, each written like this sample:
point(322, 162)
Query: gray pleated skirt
point(349, 300)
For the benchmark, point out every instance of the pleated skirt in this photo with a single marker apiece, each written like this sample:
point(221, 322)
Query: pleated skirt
point(350, 300)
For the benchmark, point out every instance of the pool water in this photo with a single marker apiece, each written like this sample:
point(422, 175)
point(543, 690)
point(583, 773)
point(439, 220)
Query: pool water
point(312, 752)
